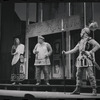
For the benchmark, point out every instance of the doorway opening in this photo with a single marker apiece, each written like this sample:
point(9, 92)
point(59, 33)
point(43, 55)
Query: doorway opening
point(56, 69)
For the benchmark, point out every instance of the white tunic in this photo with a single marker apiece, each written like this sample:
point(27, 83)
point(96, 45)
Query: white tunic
point(19, 50)
point(40, 58)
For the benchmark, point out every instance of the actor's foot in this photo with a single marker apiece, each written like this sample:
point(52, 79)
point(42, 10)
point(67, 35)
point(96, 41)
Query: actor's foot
point(13, 83)
point(76, 91)
point(94, 93)
point(20, 83)
point(37, 83)
point(47, 83)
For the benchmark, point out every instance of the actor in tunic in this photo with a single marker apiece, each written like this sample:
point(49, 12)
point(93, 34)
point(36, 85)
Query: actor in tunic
point(42, 52)
point(17, 52)
point(89, 46)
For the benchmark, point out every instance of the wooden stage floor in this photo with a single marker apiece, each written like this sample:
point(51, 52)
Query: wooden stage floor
point(44, 95)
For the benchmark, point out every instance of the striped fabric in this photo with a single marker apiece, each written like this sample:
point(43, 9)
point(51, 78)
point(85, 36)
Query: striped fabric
point(83, 61)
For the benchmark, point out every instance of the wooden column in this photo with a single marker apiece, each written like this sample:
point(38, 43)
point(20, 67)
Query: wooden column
point(26, 41)
point(69, 39)
point(68, 67)
point(84, 73)
point(40, 12)
point(93, 35)
point(84, 14)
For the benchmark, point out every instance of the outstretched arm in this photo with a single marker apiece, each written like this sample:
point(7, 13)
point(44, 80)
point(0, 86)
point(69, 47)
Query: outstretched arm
point(76, 48)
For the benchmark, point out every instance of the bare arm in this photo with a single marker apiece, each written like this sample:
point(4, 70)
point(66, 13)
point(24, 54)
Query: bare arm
point(49, 49)
point(76, 48)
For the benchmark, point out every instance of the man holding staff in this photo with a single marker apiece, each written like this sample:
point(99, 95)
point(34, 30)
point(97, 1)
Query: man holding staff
point(86, 47)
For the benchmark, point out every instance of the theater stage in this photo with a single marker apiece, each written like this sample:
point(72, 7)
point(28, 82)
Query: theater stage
point(46, 95)
point(55, 91)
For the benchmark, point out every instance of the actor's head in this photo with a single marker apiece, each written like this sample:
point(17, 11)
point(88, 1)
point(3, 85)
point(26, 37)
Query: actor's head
point(16, 41)
point(85, 32)
point(40, 39)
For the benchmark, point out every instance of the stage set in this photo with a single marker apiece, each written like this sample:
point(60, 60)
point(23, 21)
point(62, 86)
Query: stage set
point(62, 80)
point(62, 33)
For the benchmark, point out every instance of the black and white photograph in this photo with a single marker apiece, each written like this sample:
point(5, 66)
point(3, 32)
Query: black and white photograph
point(49, 50)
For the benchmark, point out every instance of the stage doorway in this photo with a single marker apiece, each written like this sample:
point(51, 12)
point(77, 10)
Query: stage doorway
point(56, 68)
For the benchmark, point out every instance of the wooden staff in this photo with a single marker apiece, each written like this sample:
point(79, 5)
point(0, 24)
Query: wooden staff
point(63, 48)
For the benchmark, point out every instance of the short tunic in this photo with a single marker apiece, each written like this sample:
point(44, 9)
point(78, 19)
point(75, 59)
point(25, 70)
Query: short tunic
point(40, 58)
point(82, 60)
point(19, 50)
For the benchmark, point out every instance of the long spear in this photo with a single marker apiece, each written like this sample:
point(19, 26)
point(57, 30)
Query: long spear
point(63, 62)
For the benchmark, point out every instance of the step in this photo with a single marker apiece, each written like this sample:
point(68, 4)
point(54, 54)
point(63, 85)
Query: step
point(38, 95)
point(59, 88)
point(52, 82)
